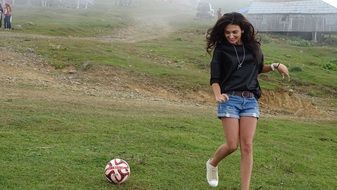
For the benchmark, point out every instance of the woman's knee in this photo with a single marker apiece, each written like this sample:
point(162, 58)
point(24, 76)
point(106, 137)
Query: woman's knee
point(232, 147)
point(246, 148)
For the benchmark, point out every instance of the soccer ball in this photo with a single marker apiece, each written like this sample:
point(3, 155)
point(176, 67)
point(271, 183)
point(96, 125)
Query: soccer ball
point(117, 171)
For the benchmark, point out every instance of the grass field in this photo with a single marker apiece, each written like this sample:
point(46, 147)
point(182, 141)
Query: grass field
point(65, 144)
point(61, 138)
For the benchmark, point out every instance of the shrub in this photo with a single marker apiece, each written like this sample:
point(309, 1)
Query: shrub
point(265, 39)
point(330, 67)
point(299, 42)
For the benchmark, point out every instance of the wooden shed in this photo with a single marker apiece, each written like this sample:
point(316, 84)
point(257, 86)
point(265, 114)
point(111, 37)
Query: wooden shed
point(310, 18)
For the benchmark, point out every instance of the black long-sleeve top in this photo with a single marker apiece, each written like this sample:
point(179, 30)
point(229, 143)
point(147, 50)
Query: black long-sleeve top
point(225, 72)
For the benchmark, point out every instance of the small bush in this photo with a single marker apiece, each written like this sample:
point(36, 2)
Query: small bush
point(299, 42)
point(265, 39)
point(330, 67)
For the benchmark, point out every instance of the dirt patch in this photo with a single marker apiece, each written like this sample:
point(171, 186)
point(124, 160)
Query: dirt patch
point(27, 70)
point(294, 105)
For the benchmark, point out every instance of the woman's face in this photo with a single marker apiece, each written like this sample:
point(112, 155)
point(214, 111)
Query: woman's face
point(233, 34)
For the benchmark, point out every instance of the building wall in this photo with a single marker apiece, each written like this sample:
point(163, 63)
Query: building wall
point(294, 22)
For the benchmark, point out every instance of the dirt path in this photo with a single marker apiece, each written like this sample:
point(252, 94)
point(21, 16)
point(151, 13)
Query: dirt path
point(146, 28)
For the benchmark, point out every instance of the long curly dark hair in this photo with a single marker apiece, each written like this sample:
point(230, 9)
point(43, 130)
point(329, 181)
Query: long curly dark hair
point(216, 34)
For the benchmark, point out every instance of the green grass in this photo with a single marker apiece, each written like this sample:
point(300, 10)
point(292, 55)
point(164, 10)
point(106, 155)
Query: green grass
point(306, 64)
point(70, 23)
point(65, 144)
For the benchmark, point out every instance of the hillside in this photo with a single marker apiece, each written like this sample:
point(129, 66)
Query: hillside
point(142, 52)
point(80, 87)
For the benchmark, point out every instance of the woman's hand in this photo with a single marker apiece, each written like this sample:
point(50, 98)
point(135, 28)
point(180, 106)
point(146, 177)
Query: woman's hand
point(221, 98)
point(217, 93)
point(282, 69)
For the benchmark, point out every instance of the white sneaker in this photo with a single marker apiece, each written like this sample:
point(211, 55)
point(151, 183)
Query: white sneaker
point(212, 174)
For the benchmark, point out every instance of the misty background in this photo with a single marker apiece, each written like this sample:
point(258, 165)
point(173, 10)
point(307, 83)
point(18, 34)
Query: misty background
point(106, 18)
point(112, 20)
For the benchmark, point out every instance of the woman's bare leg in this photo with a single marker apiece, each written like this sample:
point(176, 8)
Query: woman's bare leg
point(231, 130)
point(247, 132)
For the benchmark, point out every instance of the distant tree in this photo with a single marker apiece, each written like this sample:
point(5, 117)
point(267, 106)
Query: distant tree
point(44, 3)
point(84, 3)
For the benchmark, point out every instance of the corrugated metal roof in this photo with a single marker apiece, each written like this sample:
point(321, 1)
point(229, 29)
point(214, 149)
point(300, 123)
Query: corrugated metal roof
point(299, 7)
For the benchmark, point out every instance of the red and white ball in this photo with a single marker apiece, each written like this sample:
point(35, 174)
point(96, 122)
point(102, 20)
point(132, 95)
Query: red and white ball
point(117, 171)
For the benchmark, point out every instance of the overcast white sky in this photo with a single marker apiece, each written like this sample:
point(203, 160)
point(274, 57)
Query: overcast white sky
point(332, 2)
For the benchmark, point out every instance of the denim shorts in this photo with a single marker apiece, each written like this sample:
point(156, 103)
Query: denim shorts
point(238, 106)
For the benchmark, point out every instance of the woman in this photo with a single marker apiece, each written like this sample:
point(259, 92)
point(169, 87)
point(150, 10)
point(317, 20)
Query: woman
point(8, 15)
point(237, 61)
